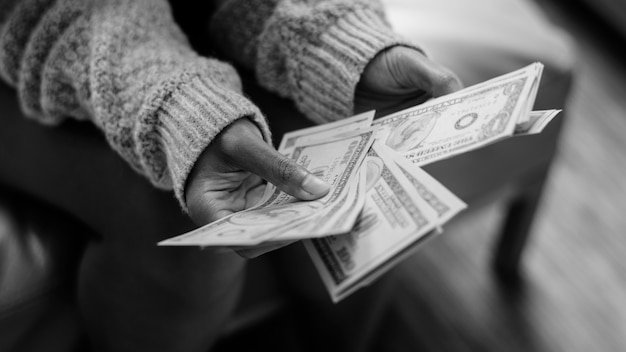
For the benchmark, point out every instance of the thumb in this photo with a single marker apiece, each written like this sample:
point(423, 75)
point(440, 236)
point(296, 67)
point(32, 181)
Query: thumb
point(258, 157)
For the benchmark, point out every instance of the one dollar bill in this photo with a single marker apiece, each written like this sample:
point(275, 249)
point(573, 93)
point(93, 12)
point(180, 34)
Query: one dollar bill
point(462, 121)
point(397, 215)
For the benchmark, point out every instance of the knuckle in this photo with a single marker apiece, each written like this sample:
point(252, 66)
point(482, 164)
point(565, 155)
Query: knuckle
point(285, 170)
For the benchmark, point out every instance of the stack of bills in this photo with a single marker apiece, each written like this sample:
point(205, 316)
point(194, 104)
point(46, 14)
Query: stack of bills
point(382, 206)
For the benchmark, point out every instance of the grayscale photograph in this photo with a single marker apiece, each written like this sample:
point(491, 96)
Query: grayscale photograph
point(312, 175)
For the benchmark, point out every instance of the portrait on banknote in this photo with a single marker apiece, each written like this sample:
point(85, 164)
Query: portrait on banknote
point(409, 133)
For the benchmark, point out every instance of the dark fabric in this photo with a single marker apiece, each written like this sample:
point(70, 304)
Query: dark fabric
point(39, 251)
point(192, 16)
point(69, 185)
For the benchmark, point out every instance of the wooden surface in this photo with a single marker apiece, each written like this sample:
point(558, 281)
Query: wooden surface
point(574, 293)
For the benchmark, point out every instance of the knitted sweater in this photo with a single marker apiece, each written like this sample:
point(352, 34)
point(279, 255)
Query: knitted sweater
point(128, 68)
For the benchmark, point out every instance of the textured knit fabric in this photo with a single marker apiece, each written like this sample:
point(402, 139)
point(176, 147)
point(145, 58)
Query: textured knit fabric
point(310, 51)
point(127, 67)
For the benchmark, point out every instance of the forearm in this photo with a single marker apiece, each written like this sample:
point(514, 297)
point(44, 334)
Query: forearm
point(313, 52)
point(125, 66)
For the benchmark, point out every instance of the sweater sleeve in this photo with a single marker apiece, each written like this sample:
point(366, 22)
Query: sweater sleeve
point(313, 52)
point(124, 65)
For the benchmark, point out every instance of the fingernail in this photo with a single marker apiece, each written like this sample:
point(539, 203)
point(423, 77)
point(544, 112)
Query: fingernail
point(315, 185)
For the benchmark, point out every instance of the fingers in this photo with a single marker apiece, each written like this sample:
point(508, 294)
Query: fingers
point(243, 146)
point(424, 73)
point(206, 206)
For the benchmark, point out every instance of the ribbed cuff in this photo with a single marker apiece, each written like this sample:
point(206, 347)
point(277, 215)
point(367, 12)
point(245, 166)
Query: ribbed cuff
point(190, 118)
point(331, 69)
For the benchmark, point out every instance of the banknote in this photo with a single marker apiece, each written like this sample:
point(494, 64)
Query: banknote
point(383, 267)
point(534, 70)
point(336, 161)
point(461, 121)
point(325, 131)
point(536, 122)
point(382, 206)
point(445, 203)
point(341, 219)
point(337, 219)
point(393, 218)
point(534, 89)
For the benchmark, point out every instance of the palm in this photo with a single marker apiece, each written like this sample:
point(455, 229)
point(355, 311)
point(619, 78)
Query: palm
point(217, 186)
point(231, 191)
point(228, 176)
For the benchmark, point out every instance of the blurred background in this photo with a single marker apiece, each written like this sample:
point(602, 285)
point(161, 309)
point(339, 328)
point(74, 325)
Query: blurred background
point(573, 297)
point(572, 292)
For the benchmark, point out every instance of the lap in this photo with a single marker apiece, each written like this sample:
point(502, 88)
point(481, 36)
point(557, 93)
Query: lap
point(72, 168)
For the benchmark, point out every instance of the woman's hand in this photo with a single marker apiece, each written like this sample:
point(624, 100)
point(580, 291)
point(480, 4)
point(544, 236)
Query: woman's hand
point(228, 176)
point(400, 77)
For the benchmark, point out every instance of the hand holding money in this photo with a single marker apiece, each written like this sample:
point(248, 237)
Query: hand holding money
point(228, 176)
point(400, 77)
point(381, 206)
point(279, 216)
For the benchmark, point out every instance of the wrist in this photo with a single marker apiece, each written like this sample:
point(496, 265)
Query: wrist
point(191, 117)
